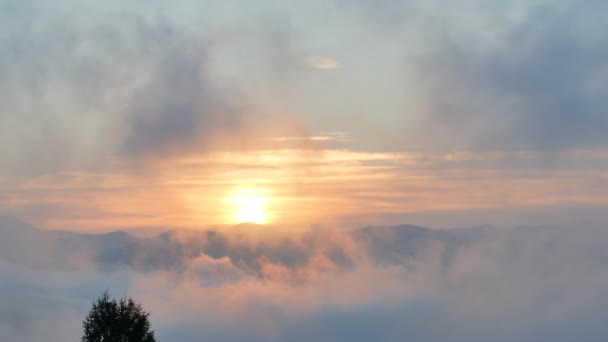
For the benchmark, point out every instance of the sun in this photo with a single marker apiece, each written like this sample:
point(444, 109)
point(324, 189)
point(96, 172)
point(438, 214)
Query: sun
point(249, 207)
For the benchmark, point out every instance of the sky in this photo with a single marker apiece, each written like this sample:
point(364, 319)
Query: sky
point(217, 161)
point(156, 114)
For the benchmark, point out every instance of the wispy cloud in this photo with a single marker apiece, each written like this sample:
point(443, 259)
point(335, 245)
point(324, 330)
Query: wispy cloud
point(303, 186)
point(322, 137)
point(323, 62)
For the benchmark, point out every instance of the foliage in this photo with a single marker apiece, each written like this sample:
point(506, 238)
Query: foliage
point(112, 320)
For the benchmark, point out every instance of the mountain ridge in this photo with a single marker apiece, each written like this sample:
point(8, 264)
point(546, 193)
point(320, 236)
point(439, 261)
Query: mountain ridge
point(383, 245)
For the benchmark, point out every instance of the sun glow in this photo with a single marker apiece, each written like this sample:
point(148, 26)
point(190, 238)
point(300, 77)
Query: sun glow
point(249, 207)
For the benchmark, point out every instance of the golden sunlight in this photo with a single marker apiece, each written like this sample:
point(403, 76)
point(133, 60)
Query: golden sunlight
point(250, 207)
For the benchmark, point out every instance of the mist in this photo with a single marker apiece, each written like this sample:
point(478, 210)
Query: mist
point(383, 283)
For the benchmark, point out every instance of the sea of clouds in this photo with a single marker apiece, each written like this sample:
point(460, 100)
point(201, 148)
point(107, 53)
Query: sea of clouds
point(378, 284)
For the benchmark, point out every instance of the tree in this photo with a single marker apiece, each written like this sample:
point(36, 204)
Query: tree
point(112, 320)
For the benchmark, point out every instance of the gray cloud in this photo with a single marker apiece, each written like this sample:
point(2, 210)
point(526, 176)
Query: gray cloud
point(177, 107)
point(541, 84)
point(80, 84)
point(186, 105)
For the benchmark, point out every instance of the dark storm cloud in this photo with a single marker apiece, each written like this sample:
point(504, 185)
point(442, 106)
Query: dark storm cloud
point(543, 85)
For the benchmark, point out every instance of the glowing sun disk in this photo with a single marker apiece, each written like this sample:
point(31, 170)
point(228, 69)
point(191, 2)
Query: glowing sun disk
point(249, 209)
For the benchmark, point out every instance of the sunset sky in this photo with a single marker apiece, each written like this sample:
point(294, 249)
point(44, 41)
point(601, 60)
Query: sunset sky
point(312, 170)
point(155, 114)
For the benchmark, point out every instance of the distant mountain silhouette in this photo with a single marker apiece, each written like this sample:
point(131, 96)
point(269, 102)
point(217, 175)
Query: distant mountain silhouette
point(22, 243)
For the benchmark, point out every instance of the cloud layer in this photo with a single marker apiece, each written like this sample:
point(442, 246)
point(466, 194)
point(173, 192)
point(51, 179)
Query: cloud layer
point(385, 284)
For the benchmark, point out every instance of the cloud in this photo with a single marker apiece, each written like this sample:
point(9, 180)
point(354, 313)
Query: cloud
point(321, 62)
point(84, 85)
point(65, 83)
point(538, 86)
point(299, 186)
point(193, 102)
point(322, 138)
point(178, 107)
point(523, 75)
point(527, 284)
